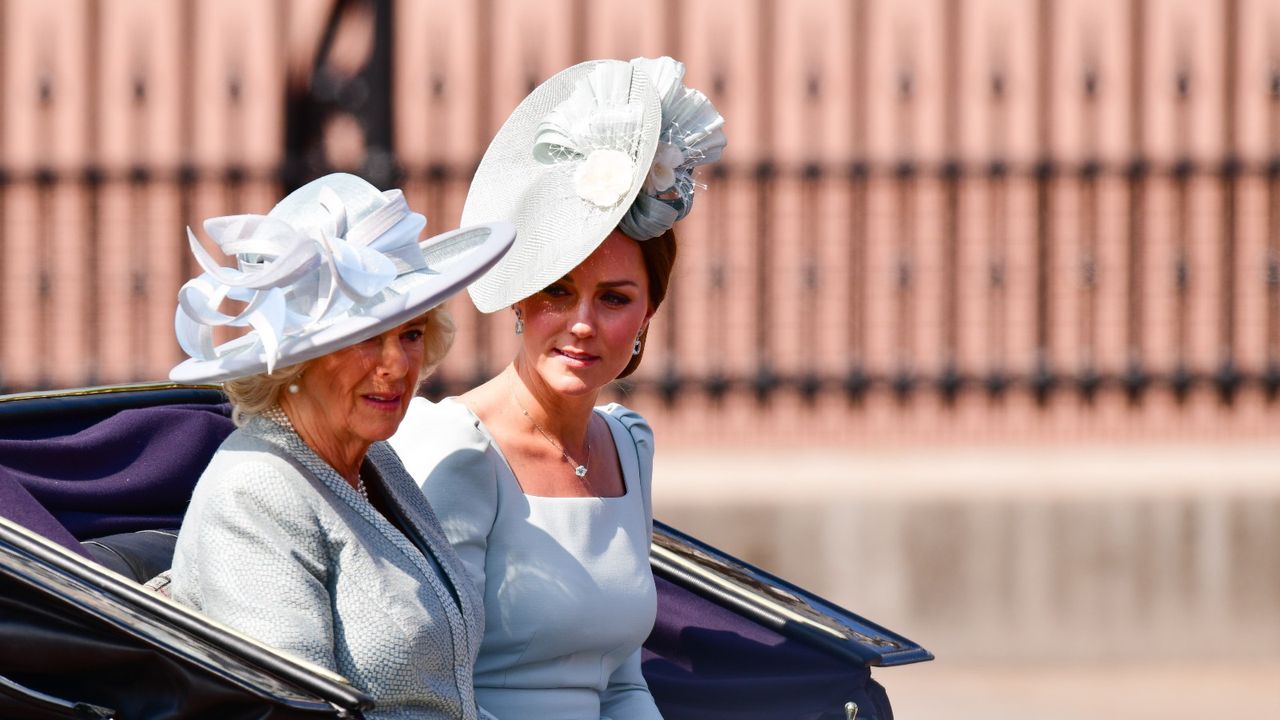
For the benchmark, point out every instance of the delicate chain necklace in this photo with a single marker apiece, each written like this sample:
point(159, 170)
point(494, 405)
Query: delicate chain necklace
point(579, 469)
point(277, 415)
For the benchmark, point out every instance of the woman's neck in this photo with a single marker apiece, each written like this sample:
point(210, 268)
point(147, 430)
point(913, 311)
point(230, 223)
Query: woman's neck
point(565, 417)
point(345, 457)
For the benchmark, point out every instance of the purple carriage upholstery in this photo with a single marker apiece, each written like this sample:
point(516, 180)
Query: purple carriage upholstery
point(705, 662)
point(133, 470)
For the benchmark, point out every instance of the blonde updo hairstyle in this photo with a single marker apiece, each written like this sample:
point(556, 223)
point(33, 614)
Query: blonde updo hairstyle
point(255, 394)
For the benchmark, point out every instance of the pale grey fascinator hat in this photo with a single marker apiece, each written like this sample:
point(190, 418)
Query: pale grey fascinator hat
point(605, 144)
point(336, 262)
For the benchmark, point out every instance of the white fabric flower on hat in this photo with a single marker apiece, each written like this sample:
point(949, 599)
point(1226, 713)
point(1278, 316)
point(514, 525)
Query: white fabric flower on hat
point(604, 177)
point(594, 134)
point(663, 173)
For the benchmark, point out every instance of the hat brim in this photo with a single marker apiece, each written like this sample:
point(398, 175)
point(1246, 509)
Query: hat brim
point(453, 259)
point(556, 228)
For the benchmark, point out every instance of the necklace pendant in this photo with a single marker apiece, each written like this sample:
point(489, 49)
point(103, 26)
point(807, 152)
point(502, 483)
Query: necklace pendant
point(580, 471)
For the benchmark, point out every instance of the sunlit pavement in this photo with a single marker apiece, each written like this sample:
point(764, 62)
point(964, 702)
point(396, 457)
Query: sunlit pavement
point(1186, 691)
point(1022, 568)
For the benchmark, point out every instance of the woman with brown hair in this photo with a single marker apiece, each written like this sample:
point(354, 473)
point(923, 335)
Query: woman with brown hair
point(545, 496)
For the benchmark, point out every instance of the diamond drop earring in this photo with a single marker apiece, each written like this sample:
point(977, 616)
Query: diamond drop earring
point(519, 323)
point(635, 349)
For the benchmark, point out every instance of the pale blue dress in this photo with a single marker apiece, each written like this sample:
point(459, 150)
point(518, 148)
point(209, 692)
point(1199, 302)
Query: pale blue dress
point(568, 592)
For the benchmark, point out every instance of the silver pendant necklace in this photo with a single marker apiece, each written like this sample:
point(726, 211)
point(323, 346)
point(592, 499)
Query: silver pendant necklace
point(579, 469)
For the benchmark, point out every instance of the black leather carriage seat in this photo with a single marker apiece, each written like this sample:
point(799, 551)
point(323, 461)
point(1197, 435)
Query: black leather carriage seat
point(139, 556)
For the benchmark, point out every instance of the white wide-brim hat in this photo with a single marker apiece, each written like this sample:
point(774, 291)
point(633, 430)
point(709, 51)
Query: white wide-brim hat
point(564, 168)
point(336, 262)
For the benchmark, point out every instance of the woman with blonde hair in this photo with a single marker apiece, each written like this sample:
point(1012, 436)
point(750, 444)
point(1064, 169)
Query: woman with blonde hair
point(545, 496)
point(305, 531)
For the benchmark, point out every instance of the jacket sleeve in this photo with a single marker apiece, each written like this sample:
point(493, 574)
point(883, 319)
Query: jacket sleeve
point(251, 554)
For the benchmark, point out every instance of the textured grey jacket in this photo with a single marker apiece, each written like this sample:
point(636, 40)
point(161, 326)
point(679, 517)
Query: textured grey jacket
point(277, 545)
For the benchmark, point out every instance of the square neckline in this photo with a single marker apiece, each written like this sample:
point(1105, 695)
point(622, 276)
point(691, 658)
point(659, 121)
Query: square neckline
point(614, 428)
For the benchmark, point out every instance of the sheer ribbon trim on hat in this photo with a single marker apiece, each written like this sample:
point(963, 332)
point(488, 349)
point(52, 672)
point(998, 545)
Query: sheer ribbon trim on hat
point(294, 279)
point(595, 133)
point(692, 134)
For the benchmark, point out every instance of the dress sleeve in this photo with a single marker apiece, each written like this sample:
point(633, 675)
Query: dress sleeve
point(642, 439)
point(447, 456)
point(260, 564)
point(627, 697)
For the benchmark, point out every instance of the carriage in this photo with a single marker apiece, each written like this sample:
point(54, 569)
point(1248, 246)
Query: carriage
point(93, 484)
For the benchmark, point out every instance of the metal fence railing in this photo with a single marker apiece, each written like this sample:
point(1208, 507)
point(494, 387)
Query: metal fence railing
point(913, 260)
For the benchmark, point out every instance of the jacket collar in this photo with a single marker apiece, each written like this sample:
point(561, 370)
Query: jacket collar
point(416, 515)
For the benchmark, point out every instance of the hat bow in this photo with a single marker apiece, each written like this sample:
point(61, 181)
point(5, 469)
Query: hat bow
point(294, 278)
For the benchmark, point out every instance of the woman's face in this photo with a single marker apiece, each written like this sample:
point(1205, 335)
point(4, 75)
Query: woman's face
point(579, 331)
point(358, 395)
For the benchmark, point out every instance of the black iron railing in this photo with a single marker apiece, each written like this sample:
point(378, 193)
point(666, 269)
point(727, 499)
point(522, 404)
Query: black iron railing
point(885, 270)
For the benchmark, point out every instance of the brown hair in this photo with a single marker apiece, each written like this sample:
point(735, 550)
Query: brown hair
point(659, 258)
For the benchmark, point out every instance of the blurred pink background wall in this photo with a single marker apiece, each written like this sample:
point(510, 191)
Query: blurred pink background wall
point(923, 203)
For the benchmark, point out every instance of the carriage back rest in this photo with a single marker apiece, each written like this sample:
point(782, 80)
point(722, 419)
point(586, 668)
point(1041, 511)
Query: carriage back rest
point(81, 466)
